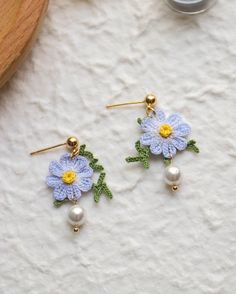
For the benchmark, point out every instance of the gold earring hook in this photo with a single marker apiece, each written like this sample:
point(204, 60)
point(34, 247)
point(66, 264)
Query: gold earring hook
point(72, 144)
point(150, 101)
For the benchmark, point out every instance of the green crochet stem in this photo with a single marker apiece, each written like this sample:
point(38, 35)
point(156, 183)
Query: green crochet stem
point(143, 155)
point(93, 161)
point(139, 121)
point(100, 188)
point(191, 146)
point(58, 203)
point(167, 161)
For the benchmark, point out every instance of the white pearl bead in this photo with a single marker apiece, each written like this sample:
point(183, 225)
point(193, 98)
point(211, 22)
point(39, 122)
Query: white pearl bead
point(172, 175)
point(76, 215)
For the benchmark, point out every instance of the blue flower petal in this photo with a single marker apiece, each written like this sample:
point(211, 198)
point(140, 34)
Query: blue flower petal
point(69, 191)
point(53, 181)
point(147, 139)
point(168, 150)
point(66, 162)
point(79, 163)
point(160, 115)
point(172, 149)
point(174, 120)
point(179, 143)
point(55, 168)
point(84, 184)
point(182, 130)
point(156, 147)
point(149, 124)
point(59, 192)
point(76, 192)
point(85, 172)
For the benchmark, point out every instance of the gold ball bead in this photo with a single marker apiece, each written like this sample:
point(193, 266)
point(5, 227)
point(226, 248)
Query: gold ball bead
point(150, 99)
point(76, 229)
point(175, 188)
point(72, 142)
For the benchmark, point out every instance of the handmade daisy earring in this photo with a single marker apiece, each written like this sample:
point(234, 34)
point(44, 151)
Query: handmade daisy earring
point(72, 175)
point(163, 135)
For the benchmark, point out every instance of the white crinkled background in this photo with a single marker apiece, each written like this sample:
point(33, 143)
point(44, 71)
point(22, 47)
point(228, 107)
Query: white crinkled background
point(145, 241)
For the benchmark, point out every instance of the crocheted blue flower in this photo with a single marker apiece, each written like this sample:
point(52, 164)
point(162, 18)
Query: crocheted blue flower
point(69, 177)
point(164, 135)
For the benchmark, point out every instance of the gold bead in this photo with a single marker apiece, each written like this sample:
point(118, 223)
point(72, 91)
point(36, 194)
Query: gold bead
point(150, 99)
point(72, 142)
point(175, 188)
point(76, 229)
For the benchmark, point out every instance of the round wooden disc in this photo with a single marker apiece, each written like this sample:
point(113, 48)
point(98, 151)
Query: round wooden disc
point(19, 24)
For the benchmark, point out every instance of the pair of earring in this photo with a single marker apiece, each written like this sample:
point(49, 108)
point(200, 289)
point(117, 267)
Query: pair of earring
point(72, 174)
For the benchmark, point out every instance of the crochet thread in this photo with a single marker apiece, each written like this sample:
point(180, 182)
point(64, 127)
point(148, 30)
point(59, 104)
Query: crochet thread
point(164, 134)
point(58, 203)
point(139, 121)
point(69, 177)
point(167, 161)
point(191, 146)
point(143, 155)
point(145, 148)
point(100, 187)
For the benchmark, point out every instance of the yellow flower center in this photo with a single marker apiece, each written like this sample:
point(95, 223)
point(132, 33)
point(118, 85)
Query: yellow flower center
point(69, 177)
point(165, 130)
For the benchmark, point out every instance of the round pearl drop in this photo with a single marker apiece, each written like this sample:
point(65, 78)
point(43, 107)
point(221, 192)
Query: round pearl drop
point(76, 216)
point(172, 175)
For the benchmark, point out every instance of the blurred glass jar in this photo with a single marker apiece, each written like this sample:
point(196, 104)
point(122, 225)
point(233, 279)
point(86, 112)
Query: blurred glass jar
point(190, 6)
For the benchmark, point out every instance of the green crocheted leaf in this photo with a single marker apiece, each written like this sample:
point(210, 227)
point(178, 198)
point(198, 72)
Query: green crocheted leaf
point(191, 146)
point(107, 191)
point(101, 188)
point(133, 159)
point(138, 146)
point(82, 149)
point(96, 193)
point(88, 154)
point(167, 161)
point(96, 167)
point(143, 155)
point(145, 163)
point(101, 179)
point(58, 203)
point(94, 161)
point(139, 121)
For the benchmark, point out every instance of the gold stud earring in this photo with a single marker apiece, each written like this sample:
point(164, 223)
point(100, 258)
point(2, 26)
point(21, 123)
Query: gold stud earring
point(72, 175)
point(162, 135)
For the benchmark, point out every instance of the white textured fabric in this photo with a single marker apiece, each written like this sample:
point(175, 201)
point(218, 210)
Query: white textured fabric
point(145, 241)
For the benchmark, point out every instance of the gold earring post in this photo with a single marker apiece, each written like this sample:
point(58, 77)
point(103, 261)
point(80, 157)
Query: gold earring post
point(48, 148)
point(72, 144)
point(150, 101)
point(124, 104)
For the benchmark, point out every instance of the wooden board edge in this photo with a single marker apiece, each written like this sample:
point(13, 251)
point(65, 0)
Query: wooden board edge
point(6, 76)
